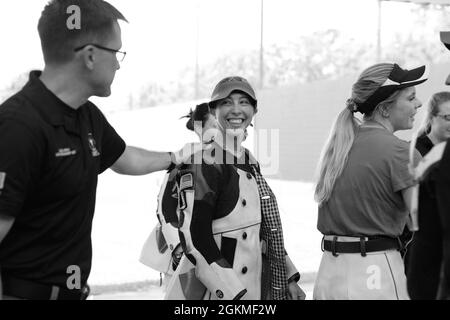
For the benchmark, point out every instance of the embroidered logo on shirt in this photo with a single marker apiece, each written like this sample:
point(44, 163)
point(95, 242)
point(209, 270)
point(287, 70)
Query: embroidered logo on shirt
point(65, 152)
point(92, 145)
point(2, 180)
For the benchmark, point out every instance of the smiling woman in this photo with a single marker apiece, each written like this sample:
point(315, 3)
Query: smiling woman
point(364, 189)
point(234, 104)
point(229, 223)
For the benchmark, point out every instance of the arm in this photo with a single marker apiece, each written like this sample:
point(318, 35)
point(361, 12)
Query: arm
point(294, 290)
point(127, 160)
point(197, 199)
point(20, 161)
point(6, 222)
point(403, 180)
point(291, 271)
point(135, 162)
point(410, 197)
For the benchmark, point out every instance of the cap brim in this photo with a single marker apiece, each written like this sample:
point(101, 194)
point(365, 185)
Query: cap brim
point(402, 78)
point(411, 83)
point(445, 38)
point(225, 92)
point(414, 74)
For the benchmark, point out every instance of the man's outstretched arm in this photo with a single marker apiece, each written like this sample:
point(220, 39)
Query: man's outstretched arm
point(136, 162)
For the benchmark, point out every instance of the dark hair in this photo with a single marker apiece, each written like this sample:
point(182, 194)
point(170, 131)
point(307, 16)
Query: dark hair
point(200, 113)
point(58, 41)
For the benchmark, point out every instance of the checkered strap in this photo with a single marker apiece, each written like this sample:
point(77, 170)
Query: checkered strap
point(272, 233)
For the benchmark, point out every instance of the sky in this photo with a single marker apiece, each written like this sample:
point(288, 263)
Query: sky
point(161, 37)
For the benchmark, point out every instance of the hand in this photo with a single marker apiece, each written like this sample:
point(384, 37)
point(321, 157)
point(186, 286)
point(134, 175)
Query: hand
point(183, 155)
point(177, 254)
point(295, 292)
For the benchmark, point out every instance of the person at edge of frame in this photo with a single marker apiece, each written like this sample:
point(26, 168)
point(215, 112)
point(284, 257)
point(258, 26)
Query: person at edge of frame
point(54, 144)
point(423, 259)
point(365, 188)
point(434, 170)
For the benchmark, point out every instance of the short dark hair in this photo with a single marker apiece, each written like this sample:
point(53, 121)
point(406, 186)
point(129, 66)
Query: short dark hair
point(200, 113)
point(58, 41)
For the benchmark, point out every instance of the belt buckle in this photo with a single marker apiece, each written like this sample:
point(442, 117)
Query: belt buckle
point(362, 243)
point(333, 247)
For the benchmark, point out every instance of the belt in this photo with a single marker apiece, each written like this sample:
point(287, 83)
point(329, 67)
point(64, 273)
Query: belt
point(29, 290)
point(363, 246)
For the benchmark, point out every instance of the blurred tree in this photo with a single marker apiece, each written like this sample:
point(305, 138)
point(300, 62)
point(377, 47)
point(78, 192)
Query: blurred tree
point(422, 45)
point(13, 87)
point(323, 55)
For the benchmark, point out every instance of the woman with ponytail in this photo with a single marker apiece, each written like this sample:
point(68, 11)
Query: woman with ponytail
point(162, 250)
point(364, 188)
point(424, 257)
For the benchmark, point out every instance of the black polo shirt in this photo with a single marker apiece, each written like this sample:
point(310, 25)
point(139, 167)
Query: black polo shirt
point(443, 202)
point(50, 157)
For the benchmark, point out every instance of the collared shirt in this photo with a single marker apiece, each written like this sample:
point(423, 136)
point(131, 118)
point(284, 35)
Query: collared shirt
point(366, 198)
point(443, 200)
point(50, 158)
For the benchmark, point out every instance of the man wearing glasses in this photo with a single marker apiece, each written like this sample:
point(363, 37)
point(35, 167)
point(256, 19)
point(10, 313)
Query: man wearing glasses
point(54, 143)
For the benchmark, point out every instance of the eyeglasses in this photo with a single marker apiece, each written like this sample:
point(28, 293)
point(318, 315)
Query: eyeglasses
point(120, 55)
point(446, 117)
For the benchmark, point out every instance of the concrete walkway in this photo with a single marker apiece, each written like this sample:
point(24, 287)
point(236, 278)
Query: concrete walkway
point(155, 292)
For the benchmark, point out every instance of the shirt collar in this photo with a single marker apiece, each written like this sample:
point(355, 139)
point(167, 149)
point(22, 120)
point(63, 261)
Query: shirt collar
point(52, 108)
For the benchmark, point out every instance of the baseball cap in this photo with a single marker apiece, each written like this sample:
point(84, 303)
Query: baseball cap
point(397, 80)
point(230, 84)
point(445, 39)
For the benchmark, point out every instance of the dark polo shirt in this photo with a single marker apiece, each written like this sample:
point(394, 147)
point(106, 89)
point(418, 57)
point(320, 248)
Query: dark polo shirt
point(50, 157)
point(443, 202)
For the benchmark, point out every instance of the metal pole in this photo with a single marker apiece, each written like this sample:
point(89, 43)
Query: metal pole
point(379, 32)
point(261, 51)
point(197, 40)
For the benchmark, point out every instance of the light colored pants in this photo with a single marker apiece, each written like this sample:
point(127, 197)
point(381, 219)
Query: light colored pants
point(377, 276)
